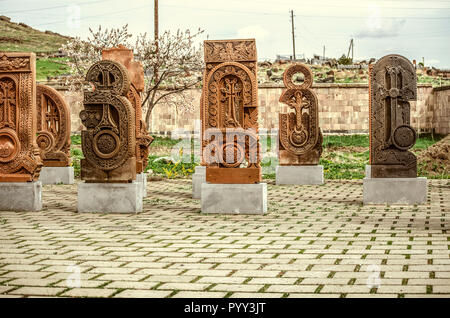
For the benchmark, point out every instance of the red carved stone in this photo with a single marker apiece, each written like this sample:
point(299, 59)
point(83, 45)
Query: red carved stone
point(392, 84)
point(20, 159)
point(109, 141)
point(53, 126)
point(136, 73)
point(229, 112)
point(300, 138)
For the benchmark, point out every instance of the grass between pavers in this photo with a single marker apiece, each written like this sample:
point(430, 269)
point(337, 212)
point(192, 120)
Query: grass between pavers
point(344, 157)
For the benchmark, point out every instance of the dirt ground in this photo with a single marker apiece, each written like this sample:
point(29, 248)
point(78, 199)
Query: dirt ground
point(436, 159)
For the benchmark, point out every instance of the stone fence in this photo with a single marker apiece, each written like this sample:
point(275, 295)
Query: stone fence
point(344, 108)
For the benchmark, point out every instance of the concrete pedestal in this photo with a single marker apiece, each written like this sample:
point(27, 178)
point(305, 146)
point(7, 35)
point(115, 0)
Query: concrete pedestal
point(395, 190)
point(368, 172)
point(110, 197)
point(57, 175)
point(234, 198)
point(301, 175)
point(21, 196)
point(198, 178)
point(142, 179)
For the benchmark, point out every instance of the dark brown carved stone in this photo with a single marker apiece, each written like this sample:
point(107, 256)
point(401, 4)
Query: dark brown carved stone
point(136, 72)
point(392, 84)
point(53, 127)
point(109, 142)
point(20, 159)
point(229, 112)
point(300, 138)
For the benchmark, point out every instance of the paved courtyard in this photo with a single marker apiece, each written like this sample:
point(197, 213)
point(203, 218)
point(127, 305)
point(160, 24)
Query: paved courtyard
point(316, 241)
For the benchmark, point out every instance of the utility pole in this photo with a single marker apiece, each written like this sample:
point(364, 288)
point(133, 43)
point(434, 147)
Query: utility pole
point(350, 47)
point(293, 34)
point(155, 70)
point(324, 52)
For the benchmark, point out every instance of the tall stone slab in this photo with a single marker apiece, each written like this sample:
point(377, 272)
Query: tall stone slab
point(53, 136)
point(124, 56)
point(230, 140)
point(300, 138)
point(230, 146)
point(393, 169)
point(20, 161)
point(393, 83)
point(109, 143)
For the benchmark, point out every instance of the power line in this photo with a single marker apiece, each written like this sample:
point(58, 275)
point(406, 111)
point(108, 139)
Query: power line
point(56, 7)
point(304, 16)
point(94, 16)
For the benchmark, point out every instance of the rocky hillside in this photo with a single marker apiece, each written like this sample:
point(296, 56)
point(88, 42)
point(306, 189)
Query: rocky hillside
point(21, 37)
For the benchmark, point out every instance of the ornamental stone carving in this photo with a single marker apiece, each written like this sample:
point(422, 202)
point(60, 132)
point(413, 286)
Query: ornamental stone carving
point(20, 159)
point(136, 72)
point(229, 112)
point(300, 138)
point(53, 127)
point(392, 85)
point(109, 140)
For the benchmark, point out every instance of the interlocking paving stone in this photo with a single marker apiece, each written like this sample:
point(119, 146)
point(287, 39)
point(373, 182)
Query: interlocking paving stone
point(88, 292)
point(315, 241)
point(37, 291)
point(139, 293)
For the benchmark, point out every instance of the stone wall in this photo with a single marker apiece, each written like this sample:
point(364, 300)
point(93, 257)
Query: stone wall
point(344, 108)
point(441, 110)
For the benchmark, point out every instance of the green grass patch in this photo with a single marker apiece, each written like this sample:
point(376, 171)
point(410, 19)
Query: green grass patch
point(51, 67)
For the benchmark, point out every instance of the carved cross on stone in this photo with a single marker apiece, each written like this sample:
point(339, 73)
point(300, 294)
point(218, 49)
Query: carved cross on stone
point(7, 100)
point(52, 118)
point(394, 92)
point(232, 92)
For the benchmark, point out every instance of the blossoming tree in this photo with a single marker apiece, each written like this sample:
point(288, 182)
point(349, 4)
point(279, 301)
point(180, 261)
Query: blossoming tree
point(172, 64)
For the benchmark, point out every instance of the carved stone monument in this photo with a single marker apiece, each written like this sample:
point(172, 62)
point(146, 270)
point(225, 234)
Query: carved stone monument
point(300, 138)
point(108, 143)
point(393, 169)
point(20, 161)
point(53, 136)
point(125, 57)
point(230, 145)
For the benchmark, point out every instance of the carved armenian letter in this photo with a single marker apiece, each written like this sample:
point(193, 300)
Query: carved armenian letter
point(53, 127)
point(20, 159)
point(108, 142)
point(124, 56)
point(393, 84)
point(229, 110)
point(300, 138)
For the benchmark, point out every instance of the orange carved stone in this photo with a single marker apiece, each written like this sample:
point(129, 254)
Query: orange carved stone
point(229, 112)
point(300, 138)
point(124, 56)
point(109, 141)
point(53, 126)
point(20, 159)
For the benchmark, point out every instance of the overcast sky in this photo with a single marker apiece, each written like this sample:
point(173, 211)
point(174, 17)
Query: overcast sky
point(412, 28)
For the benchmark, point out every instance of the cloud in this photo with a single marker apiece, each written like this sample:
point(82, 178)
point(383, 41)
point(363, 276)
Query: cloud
point(377, 27)
point(252, 31)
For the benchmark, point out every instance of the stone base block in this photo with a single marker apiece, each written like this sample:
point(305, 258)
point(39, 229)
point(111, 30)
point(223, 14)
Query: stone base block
point(142, 179)
point(301, 175)
point(368, 172)
point(57, 175)
point(110, 197)
point(21, 196)
point(395, 190)
point(234, 198)
point(198, 178)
